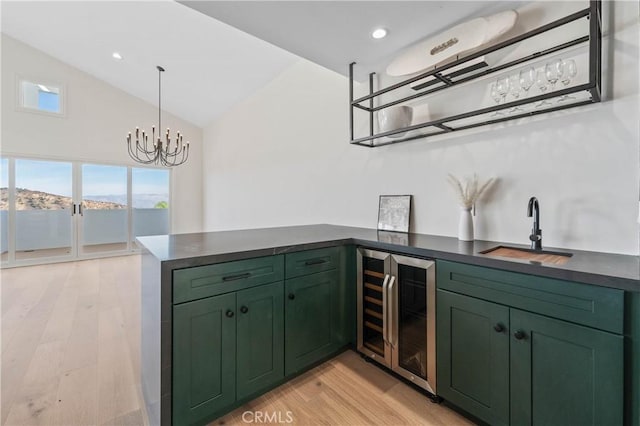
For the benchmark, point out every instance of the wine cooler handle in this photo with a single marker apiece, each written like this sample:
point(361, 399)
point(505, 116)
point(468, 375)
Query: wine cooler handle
point(385, 309)
point(391, 333)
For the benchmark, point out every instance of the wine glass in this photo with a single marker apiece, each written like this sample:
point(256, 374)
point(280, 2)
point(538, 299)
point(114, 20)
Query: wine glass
point(569, 71)
point(553, 71)
point(496, 97)
point(527, 77)
point(502, 87)
point(514, 84)
point(542, 84)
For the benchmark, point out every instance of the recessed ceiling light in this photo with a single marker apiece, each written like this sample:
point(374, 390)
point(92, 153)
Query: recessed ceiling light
point(116, 56)
point(379, 33)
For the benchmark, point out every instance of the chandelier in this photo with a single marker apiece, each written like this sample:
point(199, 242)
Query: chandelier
point(166, 152)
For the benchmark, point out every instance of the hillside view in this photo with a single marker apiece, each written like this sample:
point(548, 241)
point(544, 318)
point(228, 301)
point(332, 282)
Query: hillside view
point(27, 199)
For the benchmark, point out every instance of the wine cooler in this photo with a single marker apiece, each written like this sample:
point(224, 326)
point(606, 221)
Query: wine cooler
point(396, 314)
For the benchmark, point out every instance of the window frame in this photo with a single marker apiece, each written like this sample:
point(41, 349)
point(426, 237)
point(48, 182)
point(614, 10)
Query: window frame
point(62, 94)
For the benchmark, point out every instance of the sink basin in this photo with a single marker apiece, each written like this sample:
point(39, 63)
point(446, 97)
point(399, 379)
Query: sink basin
point(537, 256)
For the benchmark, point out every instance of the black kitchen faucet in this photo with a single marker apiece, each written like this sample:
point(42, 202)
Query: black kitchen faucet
point(536, 232)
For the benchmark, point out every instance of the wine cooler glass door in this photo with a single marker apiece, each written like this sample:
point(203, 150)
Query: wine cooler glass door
point(373, 281)
point(412, 320)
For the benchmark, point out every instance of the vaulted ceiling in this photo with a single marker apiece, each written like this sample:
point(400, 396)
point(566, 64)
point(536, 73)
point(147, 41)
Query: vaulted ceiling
point(217, 53)
point(209, 65)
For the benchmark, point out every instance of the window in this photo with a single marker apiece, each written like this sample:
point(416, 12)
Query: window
point(47, 98)
point(150, 196)
point(54, 209)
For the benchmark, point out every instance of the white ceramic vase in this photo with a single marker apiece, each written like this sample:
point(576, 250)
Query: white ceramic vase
point(465, 225)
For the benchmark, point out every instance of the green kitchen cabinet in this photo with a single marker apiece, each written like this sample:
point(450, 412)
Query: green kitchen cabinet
point(473, 355)
point(508, 366)
point(563, 373)
point(523, 350)
point(312, 319)
point(319, 305)
point(239, 329)
point(260, 336)
point(204, 358)
point(225, 348)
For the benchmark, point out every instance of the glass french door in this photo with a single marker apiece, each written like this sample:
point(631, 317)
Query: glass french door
point(4, 209)
point(149, 201)
point(103, 211)
point(43, 217)
point(54, 210)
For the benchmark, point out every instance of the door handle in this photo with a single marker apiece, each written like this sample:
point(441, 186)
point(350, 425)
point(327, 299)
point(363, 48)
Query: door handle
point(392, 312)
point(80, 209)
point(385, 309)
point(73, 212)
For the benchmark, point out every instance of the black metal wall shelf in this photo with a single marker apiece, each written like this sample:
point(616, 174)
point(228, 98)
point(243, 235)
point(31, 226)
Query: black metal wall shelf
point(590, 92)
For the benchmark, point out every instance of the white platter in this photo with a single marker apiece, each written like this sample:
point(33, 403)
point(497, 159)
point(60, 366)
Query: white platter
point(453, 42)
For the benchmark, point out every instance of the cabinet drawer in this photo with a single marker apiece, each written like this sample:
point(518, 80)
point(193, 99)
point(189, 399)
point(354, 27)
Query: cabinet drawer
point(311, 261)
point(594, 306)
point(205, 281)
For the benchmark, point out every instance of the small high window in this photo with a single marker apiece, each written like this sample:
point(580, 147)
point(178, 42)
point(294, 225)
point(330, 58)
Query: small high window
point(41, 97)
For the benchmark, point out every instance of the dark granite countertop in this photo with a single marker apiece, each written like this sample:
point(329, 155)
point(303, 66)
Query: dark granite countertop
point(188, 250)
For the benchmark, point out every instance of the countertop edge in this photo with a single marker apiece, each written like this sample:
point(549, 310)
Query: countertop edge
point(591, 278)
point(620, 283)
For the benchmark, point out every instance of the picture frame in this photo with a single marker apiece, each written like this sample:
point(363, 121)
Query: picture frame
point(394, 213)
point(390, 237)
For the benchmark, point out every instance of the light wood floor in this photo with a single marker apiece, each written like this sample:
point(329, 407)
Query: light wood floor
point(71, 356)
point(70, 343)
point(345, 391)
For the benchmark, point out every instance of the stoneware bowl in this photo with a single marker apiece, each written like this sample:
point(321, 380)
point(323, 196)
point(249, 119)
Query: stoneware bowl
point(395, 117)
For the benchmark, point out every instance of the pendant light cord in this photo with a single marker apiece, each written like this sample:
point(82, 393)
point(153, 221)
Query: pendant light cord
point(160, 69)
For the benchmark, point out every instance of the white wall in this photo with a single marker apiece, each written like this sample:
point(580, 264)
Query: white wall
point(98, 118)
point(282, 158)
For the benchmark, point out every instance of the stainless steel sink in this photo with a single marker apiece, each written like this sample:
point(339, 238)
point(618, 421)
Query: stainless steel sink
point(534, 256)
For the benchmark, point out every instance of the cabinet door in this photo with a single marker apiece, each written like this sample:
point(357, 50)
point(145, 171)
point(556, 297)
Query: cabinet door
point(204, 356)
point(564, 374)
point(260, 337)
point(311, 319)
point(473, 355)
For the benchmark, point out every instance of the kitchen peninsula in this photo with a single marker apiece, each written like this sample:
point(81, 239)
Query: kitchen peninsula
point(597, 291)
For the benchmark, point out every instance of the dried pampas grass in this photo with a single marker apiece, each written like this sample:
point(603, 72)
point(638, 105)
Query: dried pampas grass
point(468, 191)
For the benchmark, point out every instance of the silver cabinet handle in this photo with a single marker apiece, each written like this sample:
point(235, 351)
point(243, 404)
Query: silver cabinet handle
point(385, 326)
point(391, 312)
